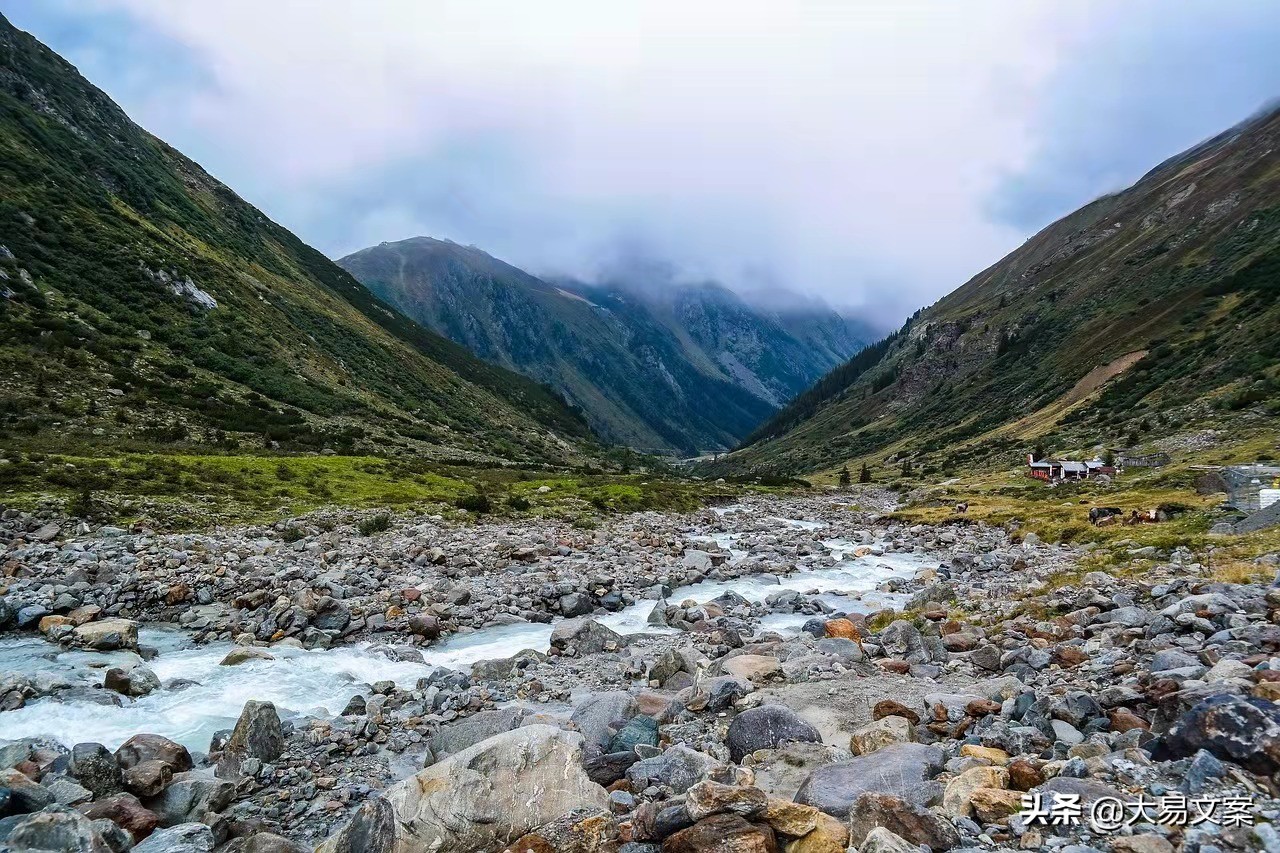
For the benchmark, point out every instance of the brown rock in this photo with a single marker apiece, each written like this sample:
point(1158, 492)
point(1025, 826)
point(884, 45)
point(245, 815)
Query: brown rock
point(915, 823)
point(957, 798)
point(1122, 720)
point(829, 836)
point(1023, 775)
point(987, 753)
point(994, 805)
point(148, 778)
point(979, 708)
point(788, 818)
point(842, 628)
point(177, 594)
point(1149, 843)
point(722, 833)
point(582, 831)
point(708, 798)
point(1068, 656)
point(124, 811)
point(901, 667)
point(959, 642)
point(892, 708)
point(144, 747)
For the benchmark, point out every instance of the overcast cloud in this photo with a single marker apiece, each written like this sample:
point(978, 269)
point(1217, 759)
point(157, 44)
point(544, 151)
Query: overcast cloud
point(876, 154)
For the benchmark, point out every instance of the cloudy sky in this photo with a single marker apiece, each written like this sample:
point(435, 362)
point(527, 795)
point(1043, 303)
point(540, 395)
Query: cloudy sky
point(876, 154)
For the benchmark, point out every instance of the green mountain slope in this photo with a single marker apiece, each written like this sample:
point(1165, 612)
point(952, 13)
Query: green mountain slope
point(1153, 309)
point(661, 369)
point(143, 303)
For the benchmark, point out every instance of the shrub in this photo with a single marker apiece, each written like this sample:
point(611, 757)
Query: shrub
point(519, 503)
point(477, 503)
point(374, 524)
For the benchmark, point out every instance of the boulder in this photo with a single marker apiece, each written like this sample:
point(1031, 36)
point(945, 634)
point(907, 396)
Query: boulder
point(766, 727)
point(56, 828)
point(244, 654)
point(707, 798)
point(958, 795)
point(579, 831)
point(880, 733)
point(132, 681)
point(146, 747)
point(489, 794)
point(470, 731)
point(257, 733)
point(829, 835)
point(881, 840)
point(1234, 728)
point(191, 798)
point(905, 770)
point(585, 637)
point(184, 838)
point(722, 833)
point(601, 716)
point(679, 768)
point(372, 829)
point(107, 635)
point(96, 769)
point(911, 821)
point(994, 805)
point(126, 812)
point(753, 668)
point(148, 778)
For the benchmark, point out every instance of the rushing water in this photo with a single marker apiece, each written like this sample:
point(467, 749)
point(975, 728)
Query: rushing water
point(321, 682)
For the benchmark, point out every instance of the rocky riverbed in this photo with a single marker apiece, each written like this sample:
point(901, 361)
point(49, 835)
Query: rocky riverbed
point(798, 674)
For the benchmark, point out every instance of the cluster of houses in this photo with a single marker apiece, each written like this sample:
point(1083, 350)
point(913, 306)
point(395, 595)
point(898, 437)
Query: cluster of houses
point(1062, 470)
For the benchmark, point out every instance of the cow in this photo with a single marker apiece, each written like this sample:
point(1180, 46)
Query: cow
point(1098, 513)
point(962, 507)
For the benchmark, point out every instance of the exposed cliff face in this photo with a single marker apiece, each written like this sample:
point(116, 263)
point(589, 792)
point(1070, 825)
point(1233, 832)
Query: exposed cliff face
point(671, 368)
point(1175, 279)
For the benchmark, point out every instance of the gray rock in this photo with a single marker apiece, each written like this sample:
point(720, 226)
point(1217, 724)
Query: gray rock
point(487, 796)
point(1233, 728)
point(184, 838)
point(191, 798)
point(257, 733)
point(468, 732)
point(601, 716)
point(766, 727)
point(679, 768)
point(585, 637)
point(57, 828)
point(905, 770)
point(96, 769)
point(372, 829)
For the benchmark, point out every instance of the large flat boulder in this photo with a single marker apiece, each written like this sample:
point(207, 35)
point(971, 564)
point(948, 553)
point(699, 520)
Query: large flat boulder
point(905, 770)
point(482, 798)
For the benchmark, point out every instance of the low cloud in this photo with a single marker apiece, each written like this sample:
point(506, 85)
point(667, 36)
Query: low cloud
point(874, 154)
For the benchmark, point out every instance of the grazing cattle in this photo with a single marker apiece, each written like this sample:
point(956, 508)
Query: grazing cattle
point(1148, 517)
point(962, 507)
point(1098, 513)
point(1109, 521)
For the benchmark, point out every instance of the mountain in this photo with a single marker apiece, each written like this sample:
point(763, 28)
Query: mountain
point(672, 368)
point(144, 303)
point(1146, 311)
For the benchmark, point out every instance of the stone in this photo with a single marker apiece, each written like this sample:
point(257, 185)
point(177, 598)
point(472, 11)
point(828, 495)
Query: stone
point(372, 829)
point(191, 798)
point(269, 842)
point(601, 716)
point(1023, 775)
point(1087, 791)
point(131, 681)
point(879, 734)
point(470, 731)
point(145, 747)
point(585, 637)
point(579, 831)
point(707, 798)
point(107, 635)
point(995, 805)
point(788, 818)
point(905, 770)
point(491, 793)
point(148, 778)
point(56, 828)
point(184, 838)
point(257, 733)
point(679, 768)
point(956, 798)
point(722, 833)
point(1234, 728)
point(829, 835)
point(754, 668)
point(892, 708)
point(985, 753)
point(766, 727)
point(244, 654)
point(126, 812)
point(842, 628)
point(1144, 843)
point(96, 768)
point(881, 840)
point(67, 792)
point(911, 821)
point(902, 640)
point(640, 729)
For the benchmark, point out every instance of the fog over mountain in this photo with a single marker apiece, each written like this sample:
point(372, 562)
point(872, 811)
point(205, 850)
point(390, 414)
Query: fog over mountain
point(876, 154)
